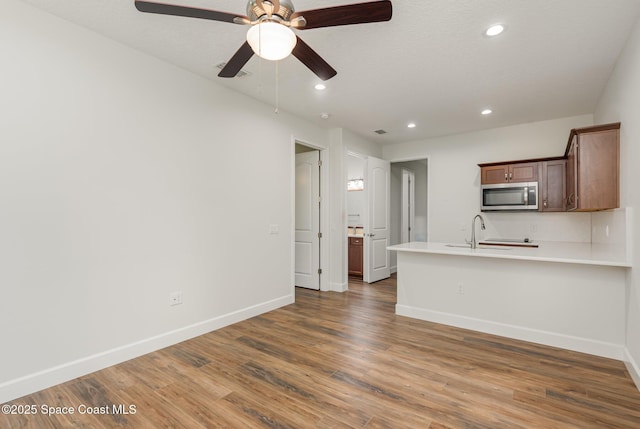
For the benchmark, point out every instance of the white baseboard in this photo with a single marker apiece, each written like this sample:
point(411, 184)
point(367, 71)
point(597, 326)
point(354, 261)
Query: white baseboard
point(632, 367)
point(584, 345)
point(338, 287)
point(393, 269)
point(31, 383)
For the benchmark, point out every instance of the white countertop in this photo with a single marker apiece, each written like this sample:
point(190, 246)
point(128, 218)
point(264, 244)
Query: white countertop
point(548, 251)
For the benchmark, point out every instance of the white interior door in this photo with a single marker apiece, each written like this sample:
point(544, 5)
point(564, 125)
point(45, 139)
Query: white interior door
point(307, 222)
point(408, 207)
point(377, 225)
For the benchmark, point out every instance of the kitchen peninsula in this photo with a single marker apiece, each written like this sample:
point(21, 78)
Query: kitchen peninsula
point(568, 295)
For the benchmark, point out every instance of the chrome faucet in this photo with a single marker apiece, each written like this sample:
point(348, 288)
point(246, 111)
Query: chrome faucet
point(474, 242)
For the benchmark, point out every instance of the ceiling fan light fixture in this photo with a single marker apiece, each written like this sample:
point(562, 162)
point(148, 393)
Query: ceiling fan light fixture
point(271, 40)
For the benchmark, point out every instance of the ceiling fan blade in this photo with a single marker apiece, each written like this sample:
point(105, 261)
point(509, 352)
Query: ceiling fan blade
point(237, 61)
point(313, 61)
point(358, 13)
point(190, 12)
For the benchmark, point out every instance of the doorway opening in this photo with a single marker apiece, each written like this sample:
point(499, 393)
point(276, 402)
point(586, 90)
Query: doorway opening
point(409, 203)
point(368, 220)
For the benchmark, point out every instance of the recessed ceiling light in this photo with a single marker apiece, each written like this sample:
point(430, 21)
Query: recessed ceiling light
point(486, 112)
point(324, 115)
point(411, 125)
point(320, 87)
point(494, 30)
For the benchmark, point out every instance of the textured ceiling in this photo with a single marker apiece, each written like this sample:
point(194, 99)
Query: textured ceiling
point(431, 64)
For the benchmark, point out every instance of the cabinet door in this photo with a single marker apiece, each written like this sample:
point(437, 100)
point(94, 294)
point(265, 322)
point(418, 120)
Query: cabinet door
point(552, 185)
point(525, 172)
point(503, 173)
point(494, 174)
point(598, 170)
point(355, 256)
point(572, 175)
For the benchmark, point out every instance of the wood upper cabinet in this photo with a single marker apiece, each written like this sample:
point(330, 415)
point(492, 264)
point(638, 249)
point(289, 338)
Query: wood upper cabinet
point(586, 178)
point(509, 172)
point(552, 186)
point(593, 168)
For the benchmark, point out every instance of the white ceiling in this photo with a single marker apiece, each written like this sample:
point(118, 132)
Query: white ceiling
point(431, 64)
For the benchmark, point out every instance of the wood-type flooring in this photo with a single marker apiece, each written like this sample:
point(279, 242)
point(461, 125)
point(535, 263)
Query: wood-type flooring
point(343, 360)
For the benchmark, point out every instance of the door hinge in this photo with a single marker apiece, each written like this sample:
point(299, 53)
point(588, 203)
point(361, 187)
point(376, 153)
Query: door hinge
point(319, 163)
point(319, 270)
point(319, 235)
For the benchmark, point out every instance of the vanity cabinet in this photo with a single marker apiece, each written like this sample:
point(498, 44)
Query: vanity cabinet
point(593, 168)
point(356, 256)
point(553, 190)
point(508, 172)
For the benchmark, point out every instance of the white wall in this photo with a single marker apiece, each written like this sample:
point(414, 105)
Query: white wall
point(122, 179)
point(620, 102)
point(357, 144)
point(454, 180)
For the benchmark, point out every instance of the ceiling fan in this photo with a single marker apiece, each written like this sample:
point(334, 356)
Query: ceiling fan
point(270, 35)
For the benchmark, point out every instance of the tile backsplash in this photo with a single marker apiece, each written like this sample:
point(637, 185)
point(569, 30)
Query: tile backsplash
point(573, 227)
point(608, 227)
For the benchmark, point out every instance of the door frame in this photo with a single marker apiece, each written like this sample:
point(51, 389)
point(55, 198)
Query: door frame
point(408, 210)
point(324, 212)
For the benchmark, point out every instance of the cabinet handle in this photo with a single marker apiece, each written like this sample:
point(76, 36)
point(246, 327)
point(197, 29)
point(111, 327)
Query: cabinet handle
point(510, 176)
point(506, 177)
point(545, 203)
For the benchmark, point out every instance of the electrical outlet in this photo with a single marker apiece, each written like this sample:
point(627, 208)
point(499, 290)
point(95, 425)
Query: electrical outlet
point(460, 288)
point(175, 298)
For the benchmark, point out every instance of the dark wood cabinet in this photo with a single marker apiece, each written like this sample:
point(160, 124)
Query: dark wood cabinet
point(356, 256)
point(508, 172)
point(593, 168)
point(553, 190)
point(586, 178)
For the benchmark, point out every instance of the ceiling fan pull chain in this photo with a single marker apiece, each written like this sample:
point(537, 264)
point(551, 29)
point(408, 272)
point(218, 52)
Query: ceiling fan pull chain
point(277, 88)
point(260, 41)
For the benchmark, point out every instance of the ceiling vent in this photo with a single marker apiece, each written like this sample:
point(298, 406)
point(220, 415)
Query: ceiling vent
point(241, 73)
point(380, 132)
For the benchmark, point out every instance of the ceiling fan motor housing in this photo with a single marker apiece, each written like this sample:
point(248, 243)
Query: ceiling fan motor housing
point(255, 10)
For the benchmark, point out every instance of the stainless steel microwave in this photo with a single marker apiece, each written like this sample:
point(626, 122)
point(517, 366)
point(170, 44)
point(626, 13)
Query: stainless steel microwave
point(510, 196)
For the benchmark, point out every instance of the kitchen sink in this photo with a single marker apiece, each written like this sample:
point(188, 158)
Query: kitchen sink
point(480, 247)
